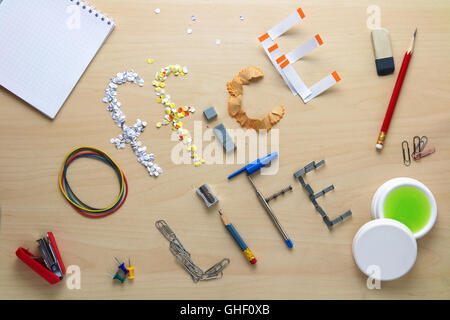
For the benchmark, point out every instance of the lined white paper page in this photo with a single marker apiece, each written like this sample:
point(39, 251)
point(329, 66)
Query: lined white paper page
point(42, 51)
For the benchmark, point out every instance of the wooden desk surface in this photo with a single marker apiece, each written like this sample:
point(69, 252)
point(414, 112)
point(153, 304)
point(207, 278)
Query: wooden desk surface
point(340, 126)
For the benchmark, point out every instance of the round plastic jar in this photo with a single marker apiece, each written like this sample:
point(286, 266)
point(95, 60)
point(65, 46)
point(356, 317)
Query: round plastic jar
point(408, 201)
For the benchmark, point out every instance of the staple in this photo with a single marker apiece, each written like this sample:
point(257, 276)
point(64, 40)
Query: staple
point(275, 195)
point(320, 163)
point(302, 181)
point(299, 175)
point(341, 217)
point(322, 212)
point(314, 202)
point(309, 190)
point(346, 214)
point(321, 193)
point(327, 222)
point(310, 167)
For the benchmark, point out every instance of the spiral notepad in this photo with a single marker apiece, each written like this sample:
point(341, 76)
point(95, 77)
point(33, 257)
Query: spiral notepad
point(45, 47)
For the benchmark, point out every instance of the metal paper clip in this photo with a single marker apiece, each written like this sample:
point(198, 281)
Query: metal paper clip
point(419, 143)
point(424, 153)
point(184, 257)
point(164, 228)
point(215, 272)
point(406, 153)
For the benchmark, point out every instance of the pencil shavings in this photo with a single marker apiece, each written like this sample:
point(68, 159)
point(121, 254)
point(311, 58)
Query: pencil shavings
point(276, 114)
point(234, 104)
point(250, 73)
point(235, 88)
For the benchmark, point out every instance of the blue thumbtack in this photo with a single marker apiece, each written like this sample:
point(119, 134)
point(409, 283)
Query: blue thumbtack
point(122, 266)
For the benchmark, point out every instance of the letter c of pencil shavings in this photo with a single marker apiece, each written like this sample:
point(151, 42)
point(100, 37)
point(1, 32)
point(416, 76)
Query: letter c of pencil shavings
point(234, 102)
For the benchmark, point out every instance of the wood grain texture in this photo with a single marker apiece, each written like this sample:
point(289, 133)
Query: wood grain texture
point(340, 126)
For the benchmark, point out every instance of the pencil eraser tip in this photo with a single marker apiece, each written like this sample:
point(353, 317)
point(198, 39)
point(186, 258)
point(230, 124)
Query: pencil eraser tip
point(379, 146)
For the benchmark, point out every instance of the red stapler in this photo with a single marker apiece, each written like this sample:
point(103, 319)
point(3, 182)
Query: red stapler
point(50, 265)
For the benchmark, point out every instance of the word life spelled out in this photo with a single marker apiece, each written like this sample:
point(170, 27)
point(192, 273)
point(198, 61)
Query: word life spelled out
point(129, 135)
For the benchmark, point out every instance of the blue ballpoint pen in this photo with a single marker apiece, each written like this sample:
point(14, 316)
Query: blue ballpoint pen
point(252, 168)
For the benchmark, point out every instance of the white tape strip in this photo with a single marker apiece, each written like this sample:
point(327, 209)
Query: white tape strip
point(304, 49)
point(267, 43)
point(322, 85)
point(294, 79)
point(286, 24)
point(274, 53)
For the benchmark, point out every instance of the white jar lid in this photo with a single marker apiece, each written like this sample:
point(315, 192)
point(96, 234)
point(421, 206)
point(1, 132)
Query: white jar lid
point(387, 246)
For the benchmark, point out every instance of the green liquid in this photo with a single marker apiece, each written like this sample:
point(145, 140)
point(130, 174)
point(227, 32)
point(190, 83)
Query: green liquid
point(408, 205)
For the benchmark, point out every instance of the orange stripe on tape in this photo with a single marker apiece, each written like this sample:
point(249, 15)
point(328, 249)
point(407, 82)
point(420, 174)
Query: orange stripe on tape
point(319, 39)
point(336, 76)
point(280, 59)
point(284, 64)
point(272, 48)
point(263, 37)
point(300, 12)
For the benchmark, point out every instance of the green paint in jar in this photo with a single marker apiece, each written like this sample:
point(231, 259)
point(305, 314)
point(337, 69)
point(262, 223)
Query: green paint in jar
point(409, 205)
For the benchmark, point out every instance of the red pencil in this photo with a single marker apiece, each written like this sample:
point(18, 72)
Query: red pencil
point(395, 93)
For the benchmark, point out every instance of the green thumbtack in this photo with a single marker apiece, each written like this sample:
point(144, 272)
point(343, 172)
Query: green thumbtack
point(117, 276)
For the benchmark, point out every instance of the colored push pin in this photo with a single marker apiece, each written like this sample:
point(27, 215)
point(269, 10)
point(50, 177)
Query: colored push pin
point(130, 270)
point(122, 266)
point(117, 276)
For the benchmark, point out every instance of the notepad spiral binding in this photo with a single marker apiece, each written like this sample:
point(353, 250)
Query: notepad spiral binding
point(91, 10)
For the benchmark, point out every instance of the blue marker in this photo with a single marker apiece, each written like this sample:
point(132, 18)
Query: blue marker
point(252, 168)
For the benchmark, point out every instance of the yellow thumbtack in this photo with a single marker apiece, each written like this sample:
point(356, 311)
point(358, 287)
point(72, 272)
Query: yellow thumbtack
point(150, 60)
point(130, 270)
